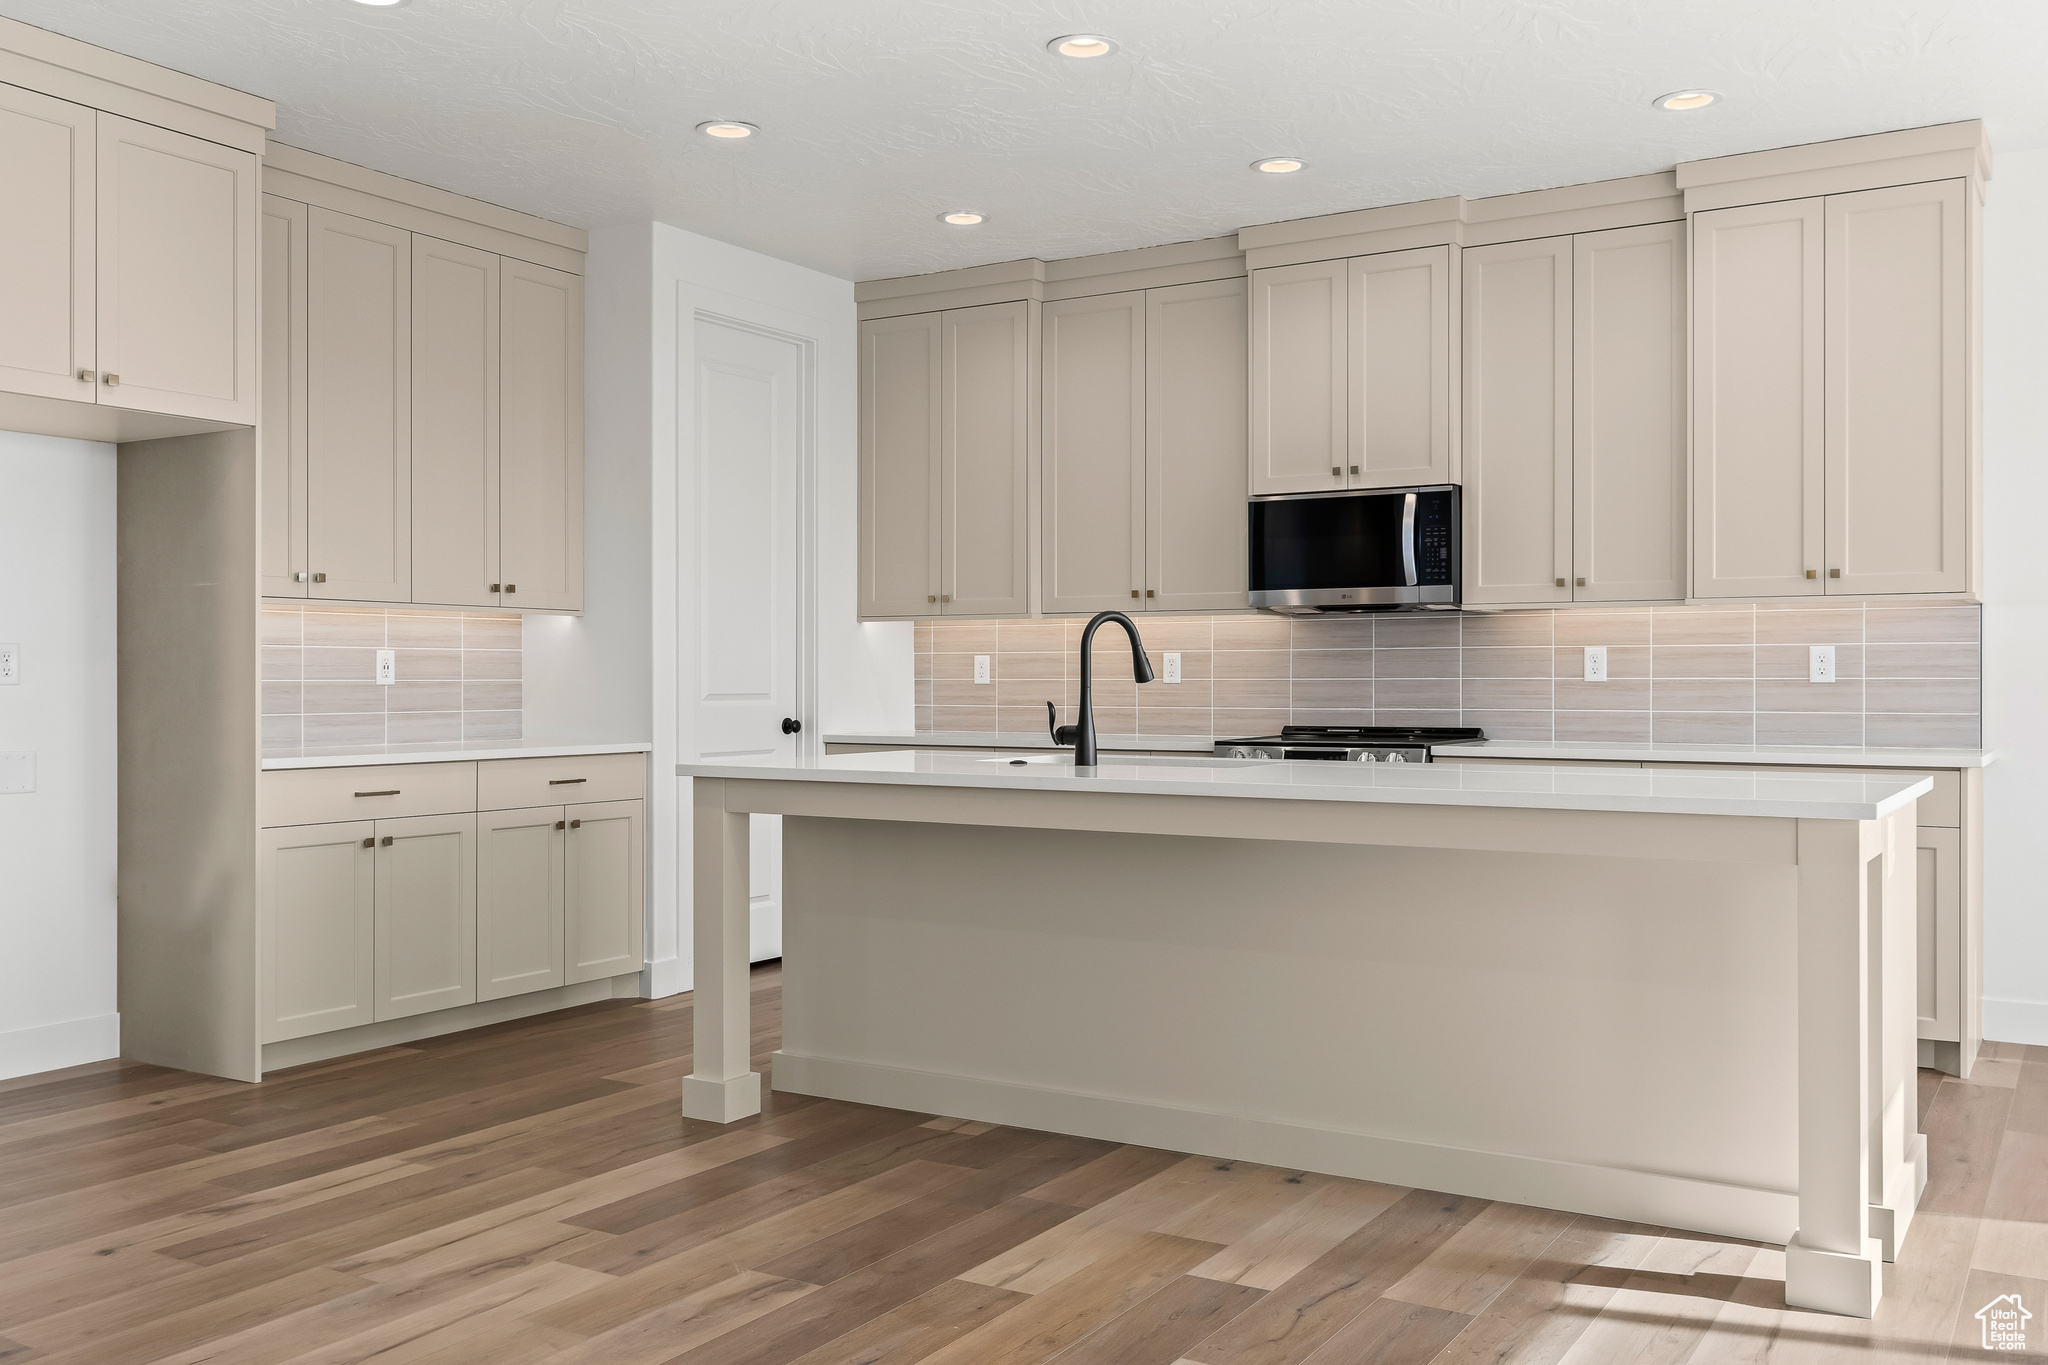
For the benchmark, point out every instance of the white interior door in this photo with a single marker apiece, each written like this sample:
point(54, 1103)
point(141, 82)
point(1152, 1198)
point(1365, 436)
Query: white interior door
point(752, 414)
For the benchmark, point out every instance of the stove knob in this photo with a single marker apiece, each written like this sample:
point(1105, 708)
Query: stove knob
point(1240, 752)
point(1366, 756)
point(1395, 758)
point(1262, 753)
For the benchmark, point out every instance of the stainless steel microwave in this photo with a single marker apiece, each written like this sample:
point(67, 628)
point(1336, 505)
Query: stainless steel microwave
point(1366, 549)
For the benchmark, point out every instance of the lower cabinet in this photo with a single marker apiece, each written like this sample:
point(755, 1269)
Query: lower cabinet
point(373, 919)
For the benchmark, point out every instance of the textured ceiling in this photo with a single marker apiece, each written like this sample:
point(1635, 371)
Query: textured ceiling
point(879, 114)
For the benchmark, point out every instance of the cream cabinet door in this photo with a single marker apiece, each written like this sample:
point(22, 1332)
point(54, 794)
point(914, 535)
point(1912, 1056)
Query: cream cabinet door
point(1938, 962)
point(1758, 381)
point(1897, 391)
point(176, 273)
point(604, 880)
point(1403, 330)
point(281, 428)
point(1092, 430)
point(358, 408)
point(48, 149)
point(1300, 377)
point(426, 914)
point(900, 386)
point(316, 927)
point(455, 429)
point(540, 461)
point(1195, 520)
point(519, 901)
point(985, 417)
point(1518, 421)
point(1628, 414)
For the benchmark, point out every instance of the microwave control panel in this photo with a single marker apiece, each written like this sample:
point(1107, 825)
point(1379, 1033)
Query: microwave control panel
point(1436, 539)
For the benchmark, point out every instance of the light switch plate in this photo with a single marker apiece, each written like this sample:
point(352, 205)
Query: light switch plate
point(1172, 666)
point(387, 667)
point(1596, 663)
point(18, 771)
point(10, 665)
point(981, 669)
point(1820, 664)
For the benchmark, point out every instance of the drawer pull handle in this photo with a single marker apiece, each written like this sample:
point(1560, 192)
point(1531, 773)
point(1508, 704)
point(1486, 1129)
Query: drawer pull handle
point(393, 792)
point(387, 841)
point(566, 781)
point(575, 824)
point(369, 843)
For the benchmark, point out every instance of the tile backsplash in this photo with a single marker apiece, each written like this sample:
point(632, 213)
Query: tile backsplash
point(458, 677)
point(1906, 674)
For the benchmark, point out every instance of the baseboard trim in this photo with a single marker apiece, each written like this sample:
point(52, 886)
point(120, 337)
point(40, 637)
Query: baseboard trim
point(321, 1047)
point(665, 976)
point(2016, 1021)
point(1602, 1191)
point(52, 1047)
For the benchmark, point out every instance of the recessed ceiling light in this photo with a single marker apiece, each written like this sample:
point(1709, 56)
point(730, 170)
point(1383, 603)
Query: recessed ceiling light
point(960, 218)
point(1082, 46)
point(1686, 99)
point(727, 128)
point(1279, 165)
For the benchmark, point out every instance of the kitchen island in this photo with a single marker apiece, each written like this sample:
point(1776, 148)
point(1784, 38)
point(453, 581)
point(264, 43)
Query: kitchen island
point(1675, 997)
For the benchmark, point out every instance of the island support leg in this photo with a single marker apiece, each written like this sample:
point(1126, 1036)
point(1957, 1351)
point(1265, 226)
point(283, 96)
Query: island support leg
point(719, 1087)
point(1832, 1262)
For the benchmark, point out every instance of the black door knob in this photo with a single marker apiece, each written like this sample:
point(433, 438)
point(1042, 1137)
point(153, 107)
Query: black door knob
point(791, 725)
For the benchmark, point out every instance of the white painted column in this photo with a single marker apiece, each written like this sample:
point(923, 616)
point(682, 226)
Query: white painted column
point(719, 1087)
point(1832, 1263)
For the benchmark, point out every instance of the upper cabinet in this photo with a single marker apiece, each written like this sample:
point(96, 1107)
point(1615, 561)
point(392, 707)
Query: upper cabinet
point(422, 430)
point(1093, 487)
point(1831, 395)
point(1353, 372)
point(945, 456)
point(127, 271)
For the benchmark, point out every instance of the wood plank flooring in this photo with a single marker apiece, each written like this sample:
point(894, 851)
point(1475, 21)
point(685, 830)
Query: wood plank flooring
point(531, 1193)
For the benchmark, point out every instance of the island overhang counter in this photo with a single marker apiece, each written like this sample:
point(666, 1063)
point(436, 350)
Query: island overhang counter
point(1673, 997)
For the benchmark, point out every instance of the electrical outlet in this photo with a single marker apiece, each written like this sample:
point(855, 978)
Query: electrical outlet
point(18, 772)
point(10, 665)
point(981, 674)
point(1172, 674)
point(1820, 664)
point(387, 667)
point(1596, 663)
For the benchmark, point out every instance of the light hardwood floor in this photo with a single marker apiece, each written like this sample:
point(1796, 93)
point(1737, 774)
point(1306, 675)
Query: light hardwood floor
point(530, 1193)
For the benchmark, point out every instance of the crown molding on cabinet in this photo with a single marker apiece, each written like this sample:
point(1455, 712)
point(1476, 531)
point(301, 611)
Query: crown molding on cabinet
point(71, 70)
point(294, 173)
point(1001, 282)
point(1946, 151)
point(1034, 280)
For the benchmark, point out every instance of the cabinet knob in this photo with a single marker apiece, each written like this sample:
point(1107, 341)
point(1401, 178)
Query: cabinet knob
point(1560, 582)
point(1148, 592)
point(113, 381)
point(511, 587)
point(387, 841)
point(1810, 573)
point(1354, 470)
point(370, 843)
point(945, 597)
point(497, 587)
point(319, 578)
point(1336, 471)
point(1134, 592)
point(302, 578)
point(86, 376)
point(1834, 573)
point(561, 824)
point(1582, 582)
point(931, 597)
point(575, 824)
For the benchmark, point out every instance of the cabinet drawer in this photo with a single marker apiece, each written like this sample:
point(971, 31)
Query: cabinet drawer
point(1941, 808)
point(510, 783)
point(312, 796)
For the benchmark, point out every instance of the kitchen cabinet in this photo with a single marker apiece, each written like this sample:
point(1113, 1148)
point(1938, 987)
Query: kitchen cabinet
point(176, 273)
point(455, 428)
point(1830, 381)
point(604, 889)
point(945, 455)
point(540, 451)
point(1574, 398)
point(48, 148)
point(316, 885)
point(282, 433)
point(426, 914)
point(359, 409)
point(1144, 452)
point(1353, 372)
point(519, 901)
point(1939, 930)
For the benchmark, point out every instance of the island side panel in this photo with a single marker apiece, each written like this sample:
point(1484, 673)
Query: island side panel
point(720, 1087)
point(1608, 1035)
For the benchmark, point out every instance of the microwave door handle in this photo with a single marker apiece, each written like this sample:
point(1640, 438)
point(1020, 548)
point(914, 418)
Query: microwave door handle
point(1408, 538)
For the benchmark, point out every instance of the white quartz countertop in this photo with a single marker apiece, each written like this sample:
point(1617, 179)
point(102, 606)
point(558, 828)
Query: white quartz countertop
point(1027, 739)
point(1734, 791)
point(1809, 755)
point(434, 753)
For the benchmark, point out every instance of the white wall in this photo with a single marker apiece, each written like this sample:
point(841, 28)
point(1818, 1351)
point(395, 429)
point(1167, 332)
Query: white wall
point(57, 847)
point(2016, 600)
point(646, 281)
